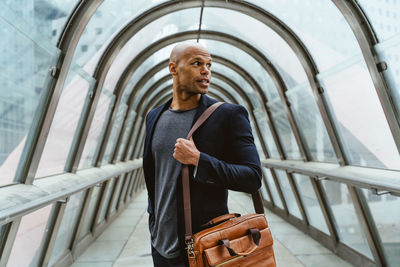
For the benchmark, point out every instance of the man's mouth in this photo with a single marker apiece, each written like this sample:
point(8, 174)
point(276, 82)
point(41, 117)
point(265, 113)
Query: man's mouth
point(203, 82)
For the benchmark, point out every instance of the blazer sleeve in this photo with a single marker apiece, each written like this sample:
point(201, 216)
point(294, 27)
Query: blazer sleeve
point(243, 172)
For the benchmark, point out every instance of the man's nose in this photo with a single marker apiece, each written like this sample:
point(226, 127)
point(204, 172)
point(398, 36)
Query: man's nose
point(205, 70)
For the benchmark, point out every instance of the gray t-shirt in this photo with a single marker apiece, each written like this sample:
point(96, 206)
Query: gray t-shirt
point(172, 124)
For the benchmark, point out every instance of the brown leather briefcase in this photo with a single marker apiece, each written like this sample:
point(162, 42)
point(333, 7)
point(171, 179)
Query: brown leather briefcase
point(231, 239)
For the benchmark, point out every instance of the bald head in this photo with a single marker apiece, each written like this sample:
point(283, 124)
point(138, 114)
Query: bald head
point(183, 49)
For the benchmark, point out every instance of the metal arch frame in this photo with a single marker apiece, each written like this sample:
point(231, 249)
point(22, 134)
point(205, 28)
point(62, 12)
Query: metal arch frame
point(67, 44)
point(366, 38)
point(253, 11)
point(187, 35)
point(330, 127)
point(37, 136)
point(270, 69)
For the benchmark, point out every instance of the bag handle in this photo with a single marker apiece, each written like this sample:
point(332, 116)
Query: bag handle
point(258, 206)
point(255, 236)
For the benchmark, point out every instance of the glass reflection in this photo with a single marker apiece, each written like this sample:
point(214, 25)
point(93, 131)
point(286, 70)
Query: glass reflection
point(389, 52)
point(91, 211)
point(108, 19)
point(359, 117)
point(272, 187)
point(64, 124)
point(238, 80)
point(288, 193)
point(97, 128)
point(385, 210)
point(283, 129)
point(344, 215)
point(310, 124)
point(326, 34)
point(275, 49)
point(68, 225)
point(247, 62)
point(310, 202)
point(384, 17)
point(24, 77)
point(46, 16)
point(31, 231)
point(116, 127)
point(162, 27)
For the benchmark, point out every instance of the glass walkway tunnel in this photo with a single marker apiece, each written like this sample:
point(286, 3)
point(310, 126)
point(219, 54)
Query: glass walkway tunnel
point(320, 79)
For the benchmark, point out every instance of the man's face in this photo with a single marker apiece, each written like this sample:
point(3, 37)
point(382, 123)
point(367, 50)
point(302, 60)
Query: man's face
point(193, 71)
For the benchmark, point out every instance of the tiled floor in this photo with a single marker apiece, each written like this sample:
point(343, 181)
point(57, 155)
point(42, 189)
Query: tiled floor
point(126, 241)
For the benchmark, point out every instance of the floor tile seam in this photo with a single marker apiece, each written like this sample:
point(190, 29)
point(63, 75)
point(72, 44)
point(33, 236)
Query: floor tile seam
point(126, 242)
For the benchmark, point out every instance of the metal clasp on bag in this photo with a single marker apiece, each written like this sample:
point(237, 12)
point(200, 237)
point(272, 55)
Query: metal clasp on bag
point(190, 248)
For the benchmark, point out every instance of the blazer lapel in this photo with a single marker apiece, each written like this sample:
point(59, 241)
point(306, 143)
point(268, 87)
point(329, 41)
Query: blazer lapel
point(204, 104)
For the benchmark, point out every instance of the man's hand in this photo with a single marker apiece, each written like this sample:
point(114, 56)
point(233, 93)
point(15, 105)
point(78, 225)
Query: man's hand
point(186, 151)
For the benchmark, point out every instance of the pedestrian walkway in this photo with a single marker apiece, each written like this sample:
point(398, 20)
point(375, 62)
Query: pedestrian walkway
point(126, 242)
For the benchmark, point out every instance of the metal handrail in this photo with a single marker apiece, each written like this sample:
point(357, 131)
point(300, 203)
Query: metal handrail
point(377, 180)
point(20, 199)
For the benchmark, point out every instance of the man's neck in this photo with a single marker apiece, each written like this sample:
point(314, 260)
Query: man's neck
point(180, 102)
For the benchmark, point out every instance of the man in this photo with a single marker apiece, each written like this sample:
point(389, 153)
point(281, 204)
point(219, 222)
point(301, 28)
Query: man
point(221, 155)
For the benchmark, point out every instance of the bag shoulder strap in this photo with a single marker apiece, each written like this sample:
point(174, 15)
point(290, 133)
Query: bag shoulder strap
point(258, 206)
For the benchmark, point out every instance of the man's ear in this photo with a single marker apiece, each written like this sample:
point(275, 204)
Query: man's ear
point(172, 68)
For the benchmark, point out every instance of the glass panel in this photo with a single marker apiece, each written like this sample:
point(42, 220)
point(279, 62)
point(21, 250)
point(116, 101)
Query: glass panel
point(65, 122)
point(91, 212)
point(128, 178)
point(276, 49)
point(226, 87)
point(126, 133)
point(272, 188)
point(240, 57)
point(106, 202)
point(26, 247)
point(359, 117)
point(46, 16)
point(349, 229)
point(310, 202)
point(283, 129)
point(383, 15)
point(385, 210)
point(149, 63)
point(134, 135)
point(150, 97)
point(288, 193)
point(326, 33)
point(266, 133)
point(167, 25)
point(108, 19)
point(117, 193)
point(67, 227)
point(238, 80)
point(23, 78)
point(116, 127)
point(310, 124)
point(257, 140)
point(263, 190)
point(97, 128)
point(147, 86)
point(389, 52)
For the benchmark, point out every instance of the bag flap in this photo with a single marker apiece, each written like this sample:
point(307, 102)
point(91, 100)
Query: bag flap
point(219, 254)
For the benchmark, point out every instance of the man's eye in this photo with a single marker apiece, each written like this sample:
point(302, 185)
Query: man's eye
point(209, 65)
point(197, 63)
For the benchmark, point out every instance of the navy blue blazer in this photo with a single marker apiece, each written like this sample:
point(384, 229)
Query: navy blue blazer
point(228, 160)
